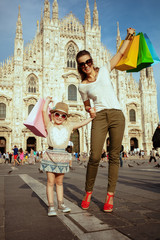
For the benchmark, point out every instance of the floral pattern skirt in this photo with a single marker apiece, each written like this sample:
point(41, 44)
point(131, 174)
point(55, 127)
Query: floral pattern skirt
point(56, 161)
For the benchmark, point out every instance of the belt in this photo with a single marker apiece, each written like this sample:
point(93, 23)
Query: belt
point(51, 148)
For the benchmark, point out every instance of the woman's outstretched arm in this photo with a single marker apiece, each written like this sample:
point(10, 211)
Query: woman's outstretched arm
point(116, 58)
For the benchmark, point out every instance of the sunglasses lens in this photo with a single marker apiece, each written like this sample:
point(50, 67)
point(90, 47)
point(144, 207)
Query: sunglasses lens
point(63, 116)
point(81, 65)
point(88, 62)
point(56, 114)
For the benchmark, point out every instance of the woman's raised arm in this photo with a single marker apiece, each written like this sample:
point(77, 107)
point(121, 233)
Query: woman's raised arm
point(116, 58)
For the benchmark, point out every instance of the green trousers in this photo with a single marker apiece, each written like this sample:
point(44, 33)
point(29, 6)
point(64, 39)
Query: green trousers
point(112, 121)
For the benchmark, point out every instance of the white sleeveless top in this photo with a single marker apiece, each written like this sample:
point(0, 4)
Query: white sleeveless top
point(101, 91)
point(58, 135)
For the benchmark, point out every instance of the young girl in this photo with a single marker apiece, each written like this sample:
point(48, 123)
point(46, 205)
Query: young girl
point(55, 159)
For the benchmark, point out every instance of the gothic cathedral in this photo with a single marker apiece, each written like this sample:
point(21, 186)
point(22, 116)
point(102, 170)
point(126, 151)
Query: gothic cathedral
point(47, 67)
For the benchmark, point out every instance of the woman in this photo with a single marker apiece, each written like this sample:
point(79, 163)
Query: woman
point(96, 85)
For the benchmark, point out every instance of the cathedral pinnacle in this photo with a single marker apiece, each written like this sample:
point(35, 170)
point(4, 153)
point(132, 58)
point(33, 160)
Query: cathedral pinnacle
point(47, 10)
point(87, 16)
point(55, 11)
point(95, 16)
point(118, 36)
point(19, 25)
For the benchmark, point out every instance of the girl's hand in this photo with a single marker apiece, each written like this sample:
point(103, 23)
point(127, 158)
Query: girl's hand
point(92, 112)
point(49, 99)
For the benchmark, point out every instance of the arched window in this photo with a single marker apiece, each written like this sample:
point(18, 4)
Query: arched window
point(2, 110)
point(30, 107)
point(72, 93)
point(132, 115)
point(32, 84)
point(71, 56)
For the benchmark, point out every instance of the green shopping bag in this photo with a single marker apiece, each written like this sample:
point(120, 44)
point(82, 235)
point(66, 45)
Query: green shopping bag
point(144, 56)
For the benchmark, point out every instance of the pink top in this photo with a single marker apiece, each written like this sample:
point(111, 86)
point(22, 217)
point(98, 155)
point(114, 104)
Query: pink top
point(22, 155)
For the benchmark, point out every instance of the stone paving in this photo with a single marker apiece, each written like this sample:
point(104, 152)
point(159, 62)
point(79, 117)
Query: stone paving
point(136, 205)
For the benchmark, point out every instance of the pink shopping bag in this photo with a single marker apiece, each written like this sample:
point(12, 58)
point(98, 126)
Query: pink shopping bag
point(34, 122)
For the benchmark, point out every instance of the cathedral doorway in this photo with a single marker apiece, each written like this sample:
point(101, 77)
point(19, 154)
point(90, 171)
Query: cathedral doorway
point(133, 143)
point(75, 139)
point(31, 143)
point(2, 145)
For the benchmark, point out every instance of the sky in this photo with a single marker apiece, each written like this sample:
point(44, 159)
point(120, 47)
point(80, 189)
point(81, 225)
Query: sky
point(143, 15)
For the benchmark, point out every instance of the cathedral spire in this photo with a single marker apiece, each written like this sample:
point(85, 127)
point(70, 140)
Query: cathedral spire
point(46, 10)
point(55, 11)
point(87, 16)
point(118, 36)
point(95, 16)
point(19, 26)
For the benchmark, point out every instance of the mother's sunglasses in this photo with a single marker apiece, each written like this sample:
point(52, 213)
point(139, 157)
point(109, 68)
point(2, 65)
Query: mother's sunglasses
point(89, 62)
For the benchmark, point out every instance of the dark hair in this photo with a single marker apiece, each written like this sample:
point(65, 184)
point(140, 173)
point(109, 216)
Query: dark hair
point(80, 54)
point(21, 150)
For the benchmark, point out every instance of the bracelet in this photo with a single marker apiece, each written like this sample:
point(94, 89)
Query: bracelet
point(129, 36)
point(89, 109)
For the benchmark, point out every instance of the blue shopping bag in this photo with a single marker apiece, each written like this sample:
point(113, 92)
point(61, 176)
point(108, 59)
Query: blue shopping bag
point(152, 50)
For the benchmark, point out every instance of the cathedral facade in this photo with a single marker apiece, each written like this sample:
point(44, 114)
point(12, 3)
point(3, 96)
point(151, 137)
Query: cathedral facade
point(47, 67)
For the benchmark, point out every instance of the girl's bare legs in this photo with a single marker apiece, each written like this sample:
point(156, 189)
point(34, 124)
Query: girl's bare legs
point(59, 189)
point(50, 187)
point(59, 186)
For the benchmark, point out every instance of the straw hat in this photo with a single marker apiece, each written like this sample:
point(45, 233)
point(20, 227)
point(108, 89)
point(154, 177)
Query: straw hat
point(61, 107)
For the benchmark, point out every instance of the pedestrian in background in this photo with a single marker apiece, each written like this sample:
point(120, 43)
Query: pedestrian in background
point(156, 139)
point(153, 155)
point(7, 157)
point(120, 157)
point(21, 156)
point(15, 154)
point(10, 157)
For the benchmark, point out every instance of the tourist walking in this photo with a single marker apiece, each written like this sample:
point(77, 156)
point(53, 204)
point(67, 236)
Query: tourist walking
point(21, 156)
point(153, 155)
point(156, 139)
point(15, 154)
point(96, 86)
point(55, 159)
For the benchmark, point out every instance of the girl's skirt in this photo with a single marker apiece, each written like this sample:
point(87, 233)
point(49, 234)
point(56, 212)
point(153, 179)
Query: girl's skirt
point(56, 161)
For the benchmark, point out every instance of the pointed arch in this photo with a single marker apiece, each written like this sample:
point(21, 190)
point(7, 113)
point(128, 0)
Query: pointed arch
point(30, 107)
point(2, 110)
point(72, 92)
point(32, 81)
point(71, 51)
point(132, 115)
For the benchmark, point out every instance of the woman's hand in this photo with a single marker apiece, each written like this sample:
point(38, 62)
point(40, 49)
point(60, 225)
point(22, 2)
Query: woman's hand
point(130, 30)
point(92, 112)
